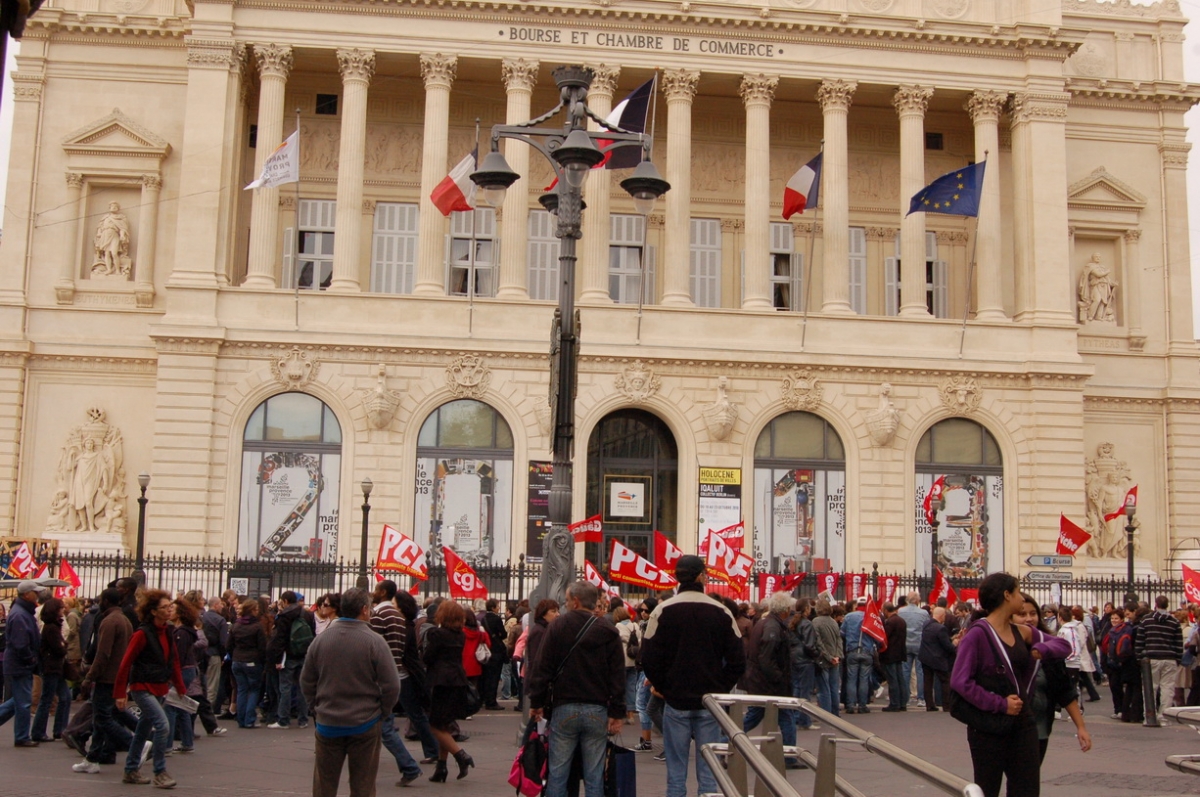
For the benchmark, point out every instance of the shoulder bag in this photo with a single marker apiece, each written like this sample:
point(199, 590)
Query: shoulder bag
point(994, 680)
point(563, 664)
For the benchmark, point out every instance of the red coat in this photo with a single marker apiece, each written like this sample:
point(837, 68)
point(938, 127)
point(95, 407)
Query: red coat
point(471, 664)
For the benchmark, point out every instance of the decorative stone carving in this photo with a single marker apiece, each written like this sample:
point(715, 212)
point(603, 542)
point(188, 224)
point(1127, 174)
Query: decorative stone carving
point(910, 100)
point(438, 70)
point(1097, 293)
point(960, 395)
point(379, 402)
point(604, 79)
point(884, 420)
point(801, 390)
point(519, 74)
point(836, 94)
point(356, 65)
point(986, 105)
point(543, 413)
point(90, 484)
point(950, 9)
point(295, 369)
point(758, 89)
point(74, 180)
point(1106, 482)
point(721, 415)
point(274, 60)
point(680, 84)
point(111, 243)
point(468, 376)
point(637, 383)
point(876, 6)
point(1090, 60)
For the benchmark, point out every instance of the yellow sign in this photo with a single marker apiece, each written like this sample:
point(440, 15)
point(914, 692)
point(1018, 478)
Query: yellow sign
point(720, 475)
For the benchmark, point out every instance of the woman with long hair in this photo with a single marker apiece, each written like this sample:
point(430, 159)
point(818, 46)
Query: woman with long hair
point(54, 682)
point(187, 617)
point(994, 674)
point(443, 658)
point(1053, 690)
point(248, 651)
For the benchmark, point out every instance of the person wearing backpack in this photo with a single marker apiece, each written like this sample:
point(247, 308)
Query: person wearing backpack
point(295, 629)
point(1121, 663)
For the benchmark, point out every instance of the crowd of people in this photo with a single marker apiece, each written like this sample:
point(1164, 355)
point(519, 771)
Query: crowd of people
point(132, 671)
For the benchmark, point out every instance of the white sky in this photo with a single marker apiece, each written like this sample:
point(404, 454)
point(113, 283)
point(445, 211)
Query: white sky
point(1191, 9)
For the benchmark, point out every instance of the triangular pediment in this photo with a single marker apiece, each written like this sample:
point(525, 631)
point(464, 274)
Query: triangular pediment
point(116, 134)
point(1101, 190)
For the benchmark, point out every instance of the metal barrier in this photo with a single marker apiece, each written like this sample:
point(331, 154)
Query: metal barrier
point(765, 754)
point(1186, 715)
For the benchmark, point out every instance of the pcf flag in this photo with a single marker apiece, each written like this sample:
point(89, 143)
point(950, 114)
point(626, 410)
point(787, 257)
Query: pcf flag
point(463, 581)
point(627, 566)
point(1191, 584)
point(803, 190)
point(456, 191)
point(956, 193)
point(281, 166)
point(592, 576)
point(590, 530)
point(22, 564)
point(399, 553)
point(1070, 536)
point(1132, 494)
point(666, 554)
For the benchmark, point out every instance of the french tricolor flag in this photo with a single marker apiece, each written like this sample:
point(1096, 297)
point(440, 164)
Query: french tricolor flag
point(630, 114)
point(801, 192)
point(456, 191)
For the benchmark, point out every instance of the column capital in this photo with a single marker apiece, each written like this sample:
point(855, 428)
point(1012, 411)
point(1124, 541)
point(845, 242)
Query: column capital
point(519, 74)
point(604, 79)
point(356, 65)
point(215, 53)
point(151, 181)
point(680, 84)
point(912, 100)
point(1133, 236)
point(438, 71)
point(835, 95)
point(1174, 155)
point(1028, 106)
point(274, 60)
point(986, 105)
point(758, 89)
point(74, 180)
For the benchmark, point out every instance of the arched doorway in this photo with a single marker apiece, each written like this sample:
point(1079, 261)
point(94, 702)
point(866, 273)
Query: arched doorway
point(632, 482)
point(964, 456)
point(291, 474)
point(799, 496)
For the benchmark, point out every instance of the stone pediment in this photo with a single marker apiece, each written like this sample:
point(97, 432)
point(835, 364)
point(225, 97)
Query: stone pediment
point(1101, 191)
point(116, 135)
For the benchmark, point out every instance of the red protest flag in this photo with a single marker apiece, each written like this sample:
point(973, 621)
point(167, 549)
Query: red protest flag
point(666, 554)
point(942, 589)
point(827, 582)
point(856, 585)
point(589, 530)
point(1191, 584)
point(399, 553)
point(22, 564)
point(872, 624)
point(735, 535)
point(415, 588)
point(790, 582)
point(935, 492)
point(770, 583)
point(627, 566)
point(1070, 537)
point(67, 573)
point(886, 587)
point(463, 581)
point(716, 552)
point(1132, 494)
point(592, 576)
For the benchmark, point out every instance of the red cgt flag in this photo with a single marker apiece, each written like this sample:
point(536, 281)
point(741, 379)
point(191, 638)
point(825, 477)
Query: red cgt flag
point(856, 585)
point(463, 581)
point(627, 566)
point(1121, 509)
point(827, 582)
point(942, 589)
point(873, 624)
point(1070, 537)
point(67, 573)
point(939, 486)
point(590, 530)
point(770, 583)
point(666, 554)
point(399, 553)
point(886, 587)
point(1191, 584)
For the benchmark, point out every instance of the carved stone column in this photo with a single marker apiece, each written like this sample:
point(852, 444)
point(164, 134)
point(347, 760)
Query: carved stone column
point(593, 257)
point(910, 102)
point(1133, 289)
point(274, 64)
point(757, 93)
point(520, 76)
point(147, 241)
point(438, 72)
point(985, 107)
point(64, 290)
point(357, 68)
point(679, 86)
point(1174, 154)
point(834, 97)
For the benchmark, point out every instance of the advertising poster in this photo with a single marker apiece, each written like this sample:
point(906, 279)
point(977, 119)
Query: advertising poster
point(627, 499)
point(970, 529)
point(464, 504)
point(541, 474)
point(720, 499)
point(290, 506)
point(800, 519)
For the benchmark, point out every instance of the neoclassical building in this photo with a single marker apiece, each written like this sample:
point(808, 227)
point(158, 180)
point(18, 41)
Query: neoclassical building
point(260, 352)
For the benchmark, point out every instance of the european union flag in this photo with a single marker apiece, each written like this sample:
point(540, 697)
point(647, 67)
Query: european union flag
point(956, 193)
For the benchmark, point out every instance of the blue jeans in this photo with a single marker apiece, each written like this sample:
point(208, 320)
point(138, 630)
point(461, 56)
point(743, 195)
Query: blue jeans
point(643, 703)
point(804, 678)
point(633, 679)
point(108, 734)
point(858, 678)
point(829, 689)
point(679, 728)
point(289, 682)
point(18, 706)
point(897, 686)
point(410, 701)
point(395, 745)
point(787, 722)
point(154, 726)
point(52, 686)
point(911, 663)
point(248, 677)
point(178, 718)
point(582, 725)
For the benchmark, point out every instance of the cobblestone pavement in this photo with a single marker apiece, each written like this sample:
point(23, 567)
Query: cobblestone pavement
point(1125, 760)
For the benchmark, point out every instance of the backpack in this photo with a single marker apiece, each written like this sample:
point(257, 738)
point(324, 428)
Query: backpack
point(1120, 645)
point(633, 647)
point(528, 774)
point(300, 636)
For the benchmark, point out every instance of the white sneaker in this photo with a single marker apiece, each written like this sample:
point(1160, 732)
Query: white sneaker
point(147, 749)
point(276, 726)
point(920, 704)
point(86, 767)
point(880, 691)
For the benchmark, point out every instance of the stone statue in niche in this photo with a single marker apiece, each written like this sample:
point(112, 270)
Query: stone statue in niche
point(884, 420)
point(1097, 293)
point(1107, 481)
point(721, 415)
point(111, 243)
point(90, 490)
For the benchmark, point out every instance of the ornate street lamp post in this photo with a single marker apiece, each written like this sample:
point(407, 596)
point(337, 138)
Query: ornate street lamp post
point(573, 152)
point(139, 569)
point(1130, 511)
point(938, 505)
point(363, 582)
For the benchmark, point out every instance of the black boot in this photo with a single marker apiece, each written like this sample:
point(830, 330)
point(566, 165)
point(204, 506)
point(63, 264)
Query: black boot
point(439, 772)
point(465, 762)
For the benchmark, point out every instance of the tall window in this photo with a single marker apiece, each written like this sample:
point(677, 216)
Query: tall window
point(630, 260)
point(394, 248)
point(314, 257)
point(543, 256)
point(936, 279)
point(858, 270)
point(787, 266)
point(706, 262)
point(471, 253)
point(291, 468)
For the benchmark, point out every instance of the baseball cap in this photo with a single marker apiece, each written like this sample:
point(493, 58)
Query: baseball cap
point(27, 586)
point(689, 568)
point(862, 600)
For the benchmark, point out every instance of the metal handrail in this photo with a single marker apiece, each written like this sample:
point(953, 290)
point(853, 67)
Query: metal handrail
point(824, 765)
point(1187, 715)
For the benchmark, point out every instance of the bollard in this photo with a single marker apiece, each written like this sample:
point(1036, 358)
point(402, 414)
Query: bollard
point(1151, 705)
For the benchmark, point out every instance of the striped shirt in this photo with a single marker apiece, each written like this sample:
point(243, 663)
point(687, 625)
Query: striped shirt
point(1159, 636)
point(388, 622)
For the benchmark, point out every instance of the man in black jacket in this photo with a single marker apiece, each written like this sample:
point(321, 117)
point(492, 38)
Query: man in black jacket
point(691, 647)
point(288, 659)
point(493, 623)
point(937, 657)
point(769, 667)
point(892, 659)
point(580, 678)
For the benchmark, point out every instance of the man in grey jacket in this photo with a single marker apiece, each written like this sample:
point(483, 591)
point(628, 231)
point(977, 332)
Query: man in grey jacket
point(915, 618)
point(350, 680)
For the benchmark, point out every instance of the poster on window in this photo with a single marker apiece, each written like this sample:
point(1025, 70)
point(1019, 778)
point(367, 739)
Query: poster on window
point(800, 520)
point(289, 506)
point(541, 476)
point(464, 504)
point(970, 534)
point(720, 499)
point(627, 498)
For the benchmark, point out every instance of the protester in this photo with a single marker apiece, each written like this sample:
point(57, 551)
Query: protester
point(295, 629)
point(186, 636)
point(830, 655)
point(860, 659)
point(805, 653)
point(53, 656)
point(216, 634)
point(387, 621)
point(327, 610)
point(769, 667)
point(443, 658)
point(22, 654)
point(629, 631)
point(493, 624)
point(1053, 690)
point(936, 656)
point(1160, 641)
point(414, 694)
point(1079, 661)
point(105, 654)
point(645, 689)
point(248, 650)
point(915, 620)
point(893, 658)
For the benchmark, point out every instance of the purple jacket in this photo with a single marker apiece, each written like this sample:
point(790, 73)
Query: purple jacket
point(977, 651)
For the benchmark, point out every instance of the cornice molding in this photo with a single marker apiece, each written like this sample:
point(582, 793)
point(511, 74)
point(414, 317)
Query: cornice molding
point(1164, 9)
point(1112, 93)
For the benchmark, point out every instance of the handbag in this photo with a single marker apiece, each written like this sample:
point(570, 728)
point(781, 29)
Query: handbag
point(996, 682)
point(483, 653)
point(71, 670)
point(474, 701)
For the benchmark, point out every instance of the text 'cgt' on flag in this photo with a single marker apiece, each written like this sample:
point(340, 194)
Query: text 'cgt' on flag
point(956, 193)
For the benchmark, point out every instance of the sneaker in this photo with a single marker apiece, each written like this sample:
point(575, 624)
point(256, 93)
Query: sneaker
point(661, 756)
point(73, 742)
point(407, 780)
point(302, 724)
point(881, 691)
point(920, 704)
point(136, 777)
point(219, 732)
point(275, 726)
point(181, 749)
point(163, 780)
point(643, 746)
point(147, 749)
point(86, 767)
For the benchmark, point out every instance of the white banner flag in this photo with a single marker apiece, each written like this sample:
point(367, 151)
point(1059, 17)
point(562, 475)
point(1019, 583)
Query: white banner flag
point(282, 166)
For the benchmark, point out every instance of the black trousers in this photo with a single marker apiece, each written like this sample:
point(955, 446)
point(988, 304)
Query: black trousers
point(489, 683)
point(1015, 756)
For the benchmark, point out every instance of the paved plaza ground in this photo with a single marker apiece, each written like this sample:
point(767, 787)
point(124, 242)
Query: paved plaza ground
point(1125, 760)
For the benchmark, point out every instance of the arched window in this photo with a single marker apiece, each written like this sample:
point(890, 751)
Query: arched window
point(800, 495)
point(962, 458)
point(464, 483)
point(291, 469)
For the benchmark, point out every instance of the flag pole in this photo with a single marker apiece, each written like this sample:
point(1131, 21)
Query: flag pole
point(807, 268)
point(471, 258)
point(962, 337)
point(646, 222)
point(296, 237)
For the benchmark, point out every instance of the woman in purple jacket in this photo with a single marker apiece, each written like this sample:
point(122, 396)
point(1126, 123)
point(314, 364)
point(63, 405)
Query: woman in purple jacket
point(996, 651)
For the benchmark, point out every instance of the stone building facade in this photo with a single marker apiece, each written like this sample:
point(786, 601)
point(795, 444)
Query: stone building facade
point(261, 352)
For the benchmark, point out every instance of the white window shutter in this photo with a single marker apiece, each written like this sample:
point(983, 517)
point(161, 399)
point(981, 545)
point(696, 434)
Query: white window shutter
point(705, 262)
point(858, 270)
point(394, 248)
point(289, 258)
point(931, 246)
point(941, 297)
point(891, 284)
point(649, 284)
point(797, 282)
point(783, 237)
point(542, 257)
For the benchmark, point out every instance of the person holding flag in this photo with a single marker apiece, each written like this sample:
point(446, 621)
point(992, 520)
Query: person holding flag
point(860, 659)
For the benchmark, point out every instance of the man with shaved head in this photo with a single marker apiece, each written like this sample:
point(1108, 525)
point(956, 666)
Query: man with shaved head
point(937, 656)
